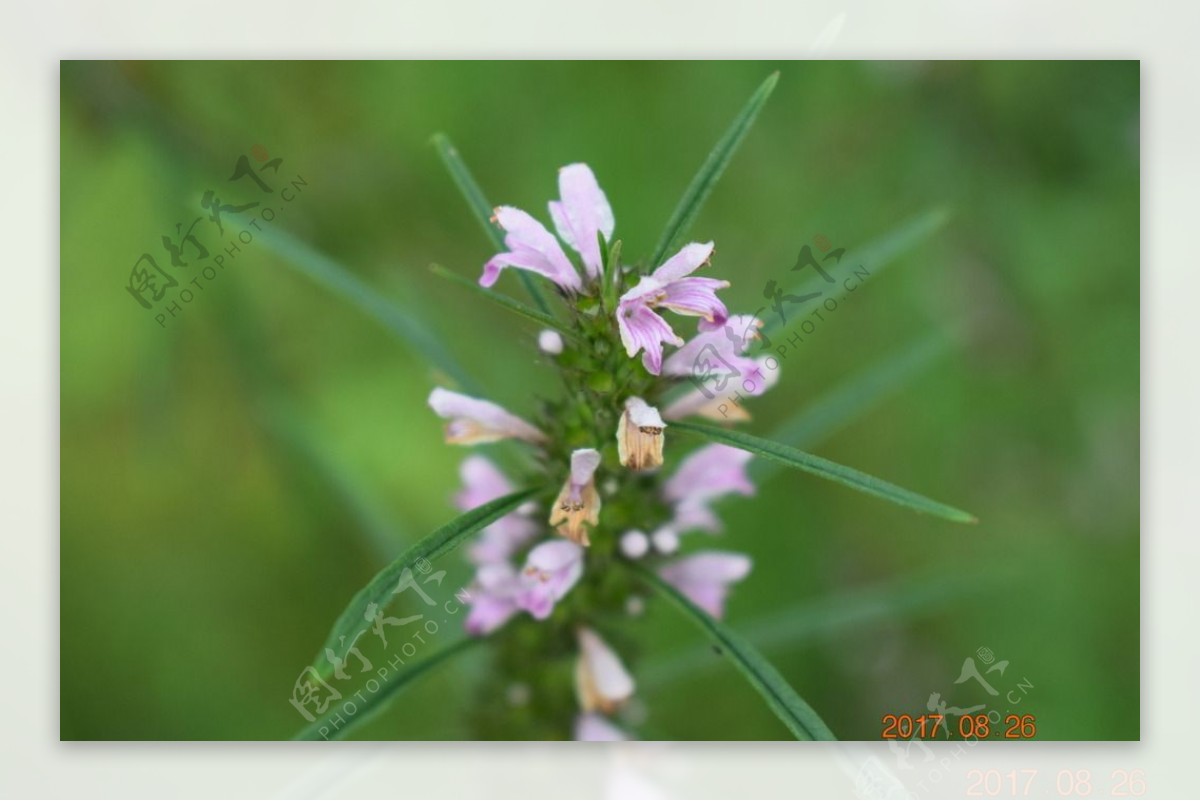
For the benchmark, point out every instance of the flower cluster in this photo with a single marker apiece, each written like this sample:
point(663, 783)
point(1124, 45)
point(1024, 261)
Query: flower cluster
point(605, 443)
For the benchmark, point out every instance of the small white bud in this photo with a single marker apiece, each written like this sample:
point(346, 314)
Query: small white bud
point(550, 342)
point(634, 544)
point(635, 606)
point(665, 541)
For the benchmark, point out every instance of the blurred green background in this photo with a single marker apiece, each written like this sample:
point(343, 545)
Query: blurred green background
point(229, 481)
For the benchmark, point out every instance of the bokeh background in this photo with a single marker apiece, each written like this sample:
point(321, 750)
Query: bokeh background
point(228, 481)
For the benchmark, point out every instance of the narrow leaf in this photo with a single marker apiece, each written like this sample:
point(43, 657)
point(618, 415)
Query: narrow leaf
point(798, 623)
point(847, 401)
point(698, 190)
point(792, 457)
point(482, 210)
point(368, 707)
point(333, 276)
point(869, 260)
point(381, 588)
point(516, 306)
point(800, 718)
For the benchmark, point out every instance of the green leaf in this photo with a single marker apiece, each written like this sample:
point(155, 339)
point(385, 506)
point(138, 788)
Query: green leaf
point(527, 312)
point(792, 457)
point(482, 209)
point(698, 190)
point(800, 718)
point(873, 257)
point(381, 588)
point(405, 325)
point(375, 703)
point(848, 400)
point(798, 623)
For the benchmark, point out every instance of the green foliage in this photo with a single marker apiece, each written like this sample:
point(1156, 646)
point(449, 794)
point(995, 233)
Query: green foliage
point(481, 209)
point(704, 181)
point(333, 725)
point(404, 324)
point(793, 457)
point(381, 588)
point(795, 713)
point(504, 301)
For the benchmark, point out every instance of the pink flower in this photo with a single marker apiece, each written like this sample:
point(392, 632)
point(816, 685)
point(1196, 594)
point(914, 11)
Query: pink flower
point(715, 361)
point(601, 682)
point(593, 728)
point(579, 216)
point(474, 421)
point(705, 475)
point(670, 286)
point(704, 577)
point(578, 503)
point(483, 482)
point(551, 570)
point(493, 598)
point(582, 214)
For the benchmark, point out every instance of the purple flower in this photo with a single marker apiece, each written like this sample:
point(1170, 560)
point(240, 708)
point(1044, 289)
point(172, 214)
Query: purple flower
point(551, 570)
point(493, 598)
point(474, 421)
point(716, 355)
point(578, 503)
point(593, 728)
point(601, 682)
point(483, 482)
point(580, 215)
point(705, 475)
point(670, 287)
point(704, 577)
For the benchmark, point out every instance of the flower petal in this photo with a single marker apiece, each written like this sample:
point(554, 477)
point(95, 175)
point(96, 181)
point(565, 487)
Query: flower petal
point(474, 421)
point(584, 462)
point(696, 297)
point(553, 556)
point(704, 577)
point(689, 259)
point(705, 475)
point(640, 436)
point(551, 570)
point(582, 213)
point(492, 598)
point(482, 482)
point(725, 342)
point(709, 472)
point(601, 681)
point(530, 247)
point(643, 330)
point(593, 728)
